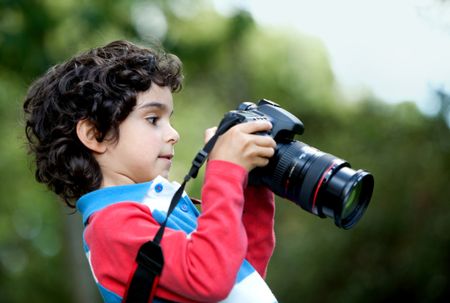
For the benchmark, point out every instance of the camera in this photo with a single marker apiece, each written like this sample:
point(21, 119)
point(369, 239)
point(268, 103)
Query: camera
point(318, 182)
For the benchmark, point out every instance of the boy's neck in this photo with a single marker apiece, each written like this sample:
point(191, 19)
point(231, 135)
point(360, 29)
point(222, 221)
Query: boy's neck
point(117, 179)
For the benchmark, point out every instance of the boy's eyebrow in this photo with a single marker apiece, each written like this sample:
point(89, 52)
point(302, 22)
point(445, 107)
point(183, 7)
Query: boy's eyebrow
point(159, 105)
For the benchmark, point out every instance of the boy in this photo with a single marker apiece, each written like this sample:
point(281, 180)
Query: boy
point(99, 127)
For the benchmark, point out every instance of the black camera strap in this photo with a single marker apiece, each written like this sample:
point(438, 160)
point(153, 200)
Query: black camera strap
point(150, 260)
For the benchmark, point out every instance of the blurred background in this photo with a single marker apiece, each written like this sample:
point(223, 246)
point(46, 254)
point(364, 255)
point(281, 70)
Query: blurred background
point(382, 104)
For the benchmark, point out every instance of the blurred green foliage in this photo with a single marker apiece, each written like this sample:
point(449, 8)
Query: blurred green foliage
point(400, 251)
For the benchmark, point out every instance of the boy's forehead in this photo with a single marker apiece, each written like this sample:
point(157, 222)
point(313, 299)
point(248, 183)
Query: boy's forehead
point(157, 96)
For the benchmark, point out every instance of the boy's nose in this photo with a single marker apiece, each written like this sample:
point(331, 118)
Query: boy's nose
point(173, 135)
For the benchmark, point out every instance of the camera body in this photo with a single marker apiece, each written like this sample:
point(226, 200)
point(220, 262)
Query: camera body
point(320, 183)
point(284, 124)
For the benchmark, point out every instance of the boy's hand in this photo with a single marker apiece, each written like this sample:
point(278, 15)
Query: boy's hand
point(241, 146)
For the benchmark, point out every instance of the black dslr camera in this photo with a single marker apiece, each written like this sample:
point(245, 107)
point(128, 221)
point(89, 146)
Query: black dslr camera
point(320, 183)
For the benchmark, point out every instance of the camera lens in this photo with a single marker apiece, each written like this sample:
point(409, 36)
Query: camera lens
point(351, 202)
point(346, 195)
point(320, 183)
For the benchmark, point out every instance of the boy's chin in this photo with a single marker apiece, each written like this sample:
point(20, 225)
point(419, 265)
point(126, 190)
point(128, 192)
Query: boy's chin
point(164, 174)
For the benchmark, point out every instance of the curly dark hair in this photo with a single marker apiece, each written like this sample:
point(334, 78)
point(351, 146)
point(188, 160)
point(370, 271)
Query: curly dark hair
point(100, 85)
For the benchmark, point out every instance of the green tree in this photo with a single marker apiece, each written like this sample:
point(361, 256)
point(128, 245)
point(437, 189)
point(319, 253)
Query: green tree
point(400, 249)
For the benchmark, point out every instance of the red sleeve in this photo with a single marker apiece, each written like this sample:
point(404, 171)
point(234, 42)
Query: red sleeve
point(199, 267)
point(258, 218)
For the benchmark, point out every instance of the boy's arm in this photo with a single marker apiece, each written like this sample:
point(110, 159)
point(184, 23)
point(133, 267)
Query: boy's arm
point(258, 218)
point(201, 266)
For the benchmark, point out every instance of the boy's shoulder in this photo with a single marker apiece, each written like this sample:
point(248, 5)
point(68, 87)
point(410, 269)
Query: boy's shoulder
point(111, 198)
point(147, 201)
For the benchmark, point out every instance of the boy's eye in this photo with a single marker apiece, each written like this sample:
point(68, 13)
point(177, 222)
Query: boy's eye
point(152, 120)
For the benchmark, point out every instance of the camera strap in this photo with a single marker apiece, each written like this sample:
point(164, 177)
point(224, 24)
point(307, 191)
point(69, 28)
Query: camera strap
point(150, 260)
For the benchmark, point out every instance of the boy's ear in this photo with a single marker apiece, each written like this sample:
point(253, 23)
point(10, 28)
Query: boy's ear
point(87, 133)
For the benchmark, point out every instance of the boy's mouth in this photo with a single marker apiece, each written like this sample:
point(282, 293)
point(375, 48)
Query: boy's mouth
point(168, 157)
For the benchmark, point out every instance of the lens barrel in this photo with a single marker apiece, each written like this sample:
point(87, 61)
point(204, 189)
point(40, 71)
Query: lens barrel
point(318, 182)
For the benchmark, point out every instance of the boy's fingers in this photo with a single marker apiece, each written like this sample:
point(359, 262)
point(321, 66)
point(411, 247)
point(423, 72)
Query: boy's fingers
point(254, 126)
point(263, 152)
point(267, 152)
point(267, 141)
point(209, 133)
point(261, 162)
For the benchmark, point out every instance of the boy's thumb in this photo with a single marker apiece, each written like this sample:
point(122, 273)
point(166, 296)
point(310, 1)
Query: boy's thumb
point(209, 133)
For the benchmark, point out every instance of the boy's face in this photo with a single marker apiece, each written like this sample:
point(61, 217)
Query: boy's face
point(146, 141)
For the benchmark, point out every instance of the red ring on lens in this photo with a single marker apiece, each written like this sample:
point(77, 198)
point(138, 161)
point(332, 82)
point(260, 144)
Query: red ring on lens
point(322, 179)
